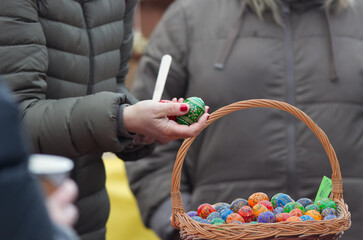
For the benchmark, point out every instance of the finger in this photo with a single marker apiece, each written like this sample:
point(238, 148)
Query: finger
point(165, 101)
point(181, 100)
point(180, 131)
point(174, 109)
point(174, 100)
point(71, 215)
point(66, 192)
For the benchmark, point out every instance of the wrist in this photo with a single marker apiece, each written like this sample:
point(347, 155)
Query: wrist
point(122, 122)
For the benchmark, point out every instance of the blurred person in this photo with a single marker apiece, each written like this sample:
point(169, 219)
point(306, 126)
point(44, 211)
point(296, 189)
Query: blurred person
point(306, 53)
point(23, 212)
point(66, 63)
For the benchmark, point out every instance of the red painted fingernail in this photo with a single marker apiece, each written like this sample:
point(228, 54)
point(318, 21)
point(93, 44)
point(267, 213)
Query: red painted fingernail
point(207, 118)
point(208, 110)
point(183, 108)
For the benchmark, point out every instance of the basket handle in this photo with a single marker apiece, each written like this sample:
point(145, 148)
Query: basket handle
point(337, 188)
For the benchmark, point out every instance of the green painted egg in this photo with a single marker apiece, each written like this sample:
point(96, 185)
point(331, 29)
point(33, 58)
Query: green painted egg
point(196, 110)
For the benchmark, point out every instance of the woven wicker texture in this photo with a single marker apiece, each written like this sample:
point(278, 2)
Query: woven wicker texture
point(324, 229)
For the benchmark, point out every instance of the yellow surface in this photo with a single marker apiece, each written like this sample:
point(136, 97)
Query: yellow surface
point(125, 220)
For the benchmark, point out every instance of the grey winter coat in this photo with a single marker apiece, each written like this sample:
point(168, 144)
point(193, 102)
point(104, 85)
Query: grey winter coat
point(65, 61)
point(304, 62)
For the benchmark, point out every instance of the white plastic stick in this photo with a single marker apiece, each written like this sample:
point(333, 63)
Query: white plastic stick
point(162, 75)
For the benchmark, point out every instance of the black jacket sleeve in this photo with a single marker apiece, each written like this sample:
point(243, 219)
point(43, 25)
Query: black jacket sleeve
point(23, 213)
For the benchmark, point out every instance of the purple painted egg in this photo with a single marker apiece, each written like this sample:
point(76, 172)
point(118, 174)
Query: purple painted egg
point(192, 213)
point(329, 211)
point(278, 210)
point(266, 217)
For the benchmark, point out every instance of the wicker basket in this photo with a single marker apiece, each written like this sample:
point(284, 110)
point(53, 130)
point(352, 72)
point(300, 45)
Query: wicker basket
point(326, 229)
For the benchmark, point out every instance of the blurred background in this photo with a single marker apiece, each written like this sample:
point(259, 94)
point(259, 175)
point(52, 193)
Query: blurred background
point(125, 221)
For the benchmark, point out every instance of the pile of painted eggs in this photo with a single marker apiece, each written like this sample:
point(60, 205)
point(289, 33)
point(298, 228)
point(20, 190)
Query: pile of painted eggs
point(259, 209)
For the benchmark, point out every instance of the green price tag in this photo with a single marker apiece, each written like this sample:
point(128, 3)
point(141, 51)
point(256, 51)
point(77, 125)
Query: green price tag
point(324, 189)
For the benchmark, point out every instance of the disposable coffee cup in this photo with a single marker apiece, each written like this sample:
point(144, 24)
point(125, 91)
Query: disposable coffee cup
point(51, 170)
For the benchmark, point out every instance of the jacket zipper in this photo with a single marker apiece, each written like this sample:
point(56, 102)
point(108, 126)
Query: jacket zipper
point(90, 54)
point(291, 131)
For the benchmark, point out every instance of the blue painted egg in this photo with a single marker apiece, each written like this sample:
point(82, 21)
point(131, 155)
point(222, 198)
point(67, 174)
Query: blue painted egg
point(205, 221)
point(197, 218)
point(330, 216)
point(225, 213)
point(283, 199)
point(306, 218)
point(238, 203)
point(266, 217)
point(214, 215)
point(192, 213)
point(304, 201)
point(278, 210)
point(220, 206)
point(329, 211)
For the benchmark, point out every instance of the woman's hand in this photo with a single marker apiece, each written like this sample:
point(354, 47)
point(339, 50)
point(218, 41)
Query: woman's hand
point(60, 204)
point(150, 119)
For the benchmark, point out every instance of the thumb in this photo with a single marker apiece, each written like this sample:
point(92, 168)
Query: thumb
point(175, 109)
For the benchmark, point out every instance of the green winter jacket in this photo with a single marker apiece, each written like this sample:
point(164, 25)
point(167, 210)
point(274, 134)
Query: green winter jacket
point(313, 61)
point(65, 60)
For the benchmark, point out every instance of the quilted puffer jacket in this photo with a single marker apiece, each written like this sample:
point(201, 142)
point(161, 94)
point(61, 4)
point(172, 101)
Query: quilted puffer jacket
point(66, 63)
point(224, 53)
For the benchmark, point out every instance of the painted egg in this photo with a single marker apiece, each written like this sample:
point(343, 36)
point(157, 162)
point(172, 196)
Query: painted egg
point(205, 221)
point(237, 204)
point(247, 213)
point(304, 201)
point(192, 213)
point(325, 203)
point(296, 212)
point(258, 209)
point(218, 221)
point(312, 207)
point(234, 217)
point(253, 222)
point(196, 110)
point(328, 211)
point(283, 199)
point(292, 205)
point(331, 204)
point(306, 218)
point(330, 216)
point(266, 217)
point(257, 197)
point(273, 199)
point(235, 222)
point(213, 215)
point(267, 204)
point(314, 214)
point(197, 218)
point(225, 213)
point(205, 209)
point(220, 206)
point(282, 217)
point(293, 219)
point(278, 210)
